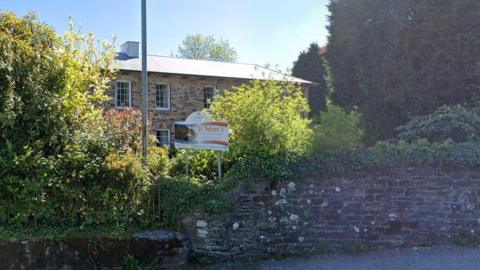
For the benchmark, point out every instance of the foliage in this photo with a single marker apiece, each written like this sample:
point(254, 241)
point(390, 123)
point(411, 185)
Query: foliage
point(266, 117)
point(383, 155)
point(123, 129)
point(58, 165)
point(177, 197)
point(310, 66)
point(337, 131)
point(398, 59)
point(207, 48)
point(131, 263)
point(202, 164)
point(447, 122)
point(264, 165)
point(158, 161)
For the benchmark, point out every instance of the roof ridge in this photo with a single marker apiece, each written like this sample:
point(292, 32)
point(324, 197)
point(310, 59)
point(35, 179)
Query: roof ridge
point(201, 60)
point(176, 65)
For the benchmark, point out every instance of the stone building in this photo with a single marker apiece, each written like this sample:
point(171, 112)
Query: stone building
point(178, 87)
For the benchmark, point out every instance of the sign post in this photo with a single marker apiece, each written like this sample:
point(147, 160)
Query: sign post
point(201, 132)
point(219, 157)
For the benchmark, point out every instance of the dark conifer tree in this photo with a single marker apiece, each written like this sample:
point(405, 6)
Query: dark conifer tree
point(309, 66)
point(395, 59)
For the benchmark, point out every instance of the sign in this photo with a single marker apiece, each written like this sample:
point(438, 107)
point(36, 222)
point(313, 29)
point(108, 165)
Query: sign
point(199, 131)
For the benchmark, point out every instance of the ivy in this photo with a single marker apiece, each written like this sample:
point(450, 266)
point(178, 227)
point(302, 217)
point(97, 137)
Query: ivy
point(383, 155)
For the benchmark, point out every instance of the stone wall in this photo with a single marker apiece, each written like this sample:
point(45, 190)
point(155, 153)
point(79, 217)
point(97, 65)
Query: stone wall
point(394, 208)
point(160, 249)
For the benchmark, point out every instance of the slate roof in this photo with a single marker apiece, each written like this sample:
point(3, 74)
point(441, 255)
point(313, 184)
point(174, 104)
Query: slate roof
point(171, 65)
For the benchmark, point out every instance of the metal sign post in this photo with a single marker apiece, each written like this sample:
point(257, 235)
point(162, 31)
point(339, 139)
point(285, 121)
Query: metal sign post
point(186, 162)
point(144, 82)
point(219, 156)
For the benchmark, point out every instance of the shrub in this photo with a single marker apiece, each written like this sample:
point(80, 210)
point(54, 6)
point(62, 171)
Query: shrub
point(337, 131)
point(123, 129)
point(447, 122)
point(274, 167)
point(59, 165)
point(50, 86)
point(383, 155)
point(266, 117)
point(202, 164)
point(176, 197)
point(158, 161)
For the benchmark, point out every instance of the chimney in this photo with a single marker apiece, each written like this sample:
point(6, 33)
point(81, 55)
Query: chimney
point(130, 48)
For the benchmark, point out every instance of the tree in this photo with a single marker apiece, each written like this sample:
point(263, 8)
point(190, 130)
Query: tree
point(206, 48)
point(266, 118)
point(337, 131)
point(396, 59)
point(51, 87)
point(56, 162)
point(310, 66)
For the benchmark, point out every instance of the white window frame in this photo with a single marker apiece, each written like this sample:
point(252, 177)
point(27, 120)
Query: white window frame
point(129, 93)
point(168, 97)
point(214, 94)
point(169, 136)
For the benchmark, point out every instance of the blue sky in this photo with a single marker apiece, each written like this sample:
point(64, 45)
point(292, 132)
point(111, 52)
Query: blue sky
point(262, 31)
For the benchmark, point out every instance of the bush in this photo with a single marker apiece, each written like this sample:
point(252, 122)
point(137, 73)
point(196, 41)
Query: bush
point(50, 86)
point(176, 197)
point(202, 164)
point(383, 155)
point(266, 117)
point(158, 161)
point(447, 122)
point(337, 131)
point(60, 163)
point(274, 167)
point(123, 129)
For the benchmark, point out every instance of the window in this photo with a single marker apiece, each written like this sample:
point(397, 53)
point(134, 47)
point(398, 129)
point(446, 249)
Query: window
point(163, 137)
point(122, 94)
point(162, 97)
point(208, 95)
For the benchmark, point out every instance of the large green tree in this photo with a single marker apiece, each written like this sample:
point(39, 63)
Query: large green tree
point(57, 166)
point(310, 66)
point(266, 118)
point(51, 86)
point(395, 59)
point(209, 47)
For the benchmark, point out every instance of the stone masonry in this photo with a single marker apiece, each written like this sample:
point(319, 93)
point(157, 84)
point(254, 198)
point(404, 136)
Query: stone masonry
point(394, 208)
point(186, 95)
point(157, 249)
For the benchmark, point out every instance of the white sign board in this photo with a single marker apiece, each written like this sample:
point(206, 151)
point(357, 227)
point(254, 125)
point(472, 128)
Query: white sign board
point(201, 132)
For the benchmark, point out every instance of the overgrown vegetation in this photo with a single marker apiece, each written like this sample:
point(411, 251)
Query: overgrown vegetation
point(383, 155)
point(337, 131)
point(447, 122)
point(64, 164)
point(266, 117)
point(67, 167)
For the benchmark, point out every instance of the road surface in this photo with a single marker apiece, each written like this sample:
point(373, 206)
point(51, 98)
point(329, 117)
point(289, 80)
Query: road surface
point(435, 258)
